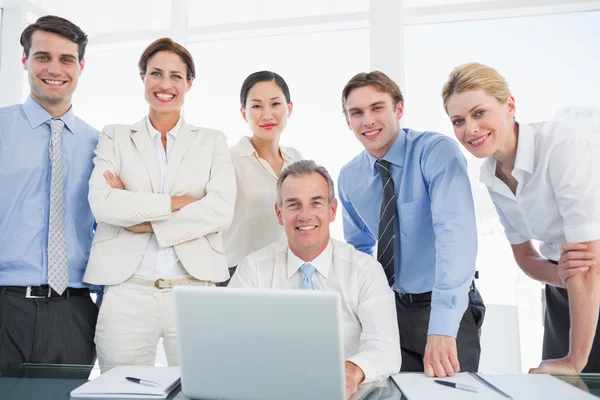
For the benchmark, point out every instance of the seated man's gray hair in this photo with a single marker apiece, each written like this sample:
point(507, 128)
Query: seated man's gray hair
point(305, 167)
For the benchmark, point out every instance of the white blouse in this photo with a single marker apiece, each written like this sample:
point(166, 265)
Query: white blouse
point(557, 199)
point(254, 224)
point(160, 262)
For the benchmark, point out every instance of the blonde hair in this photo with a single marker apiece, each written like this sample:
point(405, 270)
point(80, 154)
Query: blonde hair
point(474, 76)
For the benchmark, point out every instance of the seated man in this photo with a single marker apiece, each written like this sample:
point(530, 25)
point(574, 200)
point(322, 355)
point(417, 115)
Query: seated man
point(310, 259)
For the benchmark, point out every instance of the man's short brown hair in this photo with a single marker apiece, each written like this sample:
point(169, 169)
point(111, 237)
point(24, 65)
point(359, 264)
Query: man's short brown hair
point(167, 44)
point(378, 80)
point(59, 26)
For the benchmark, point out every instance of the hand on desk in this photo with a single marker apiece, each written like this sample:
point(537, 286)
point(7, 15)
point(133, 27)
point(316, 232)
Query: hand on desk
point(354, 376)
point(558, 366)
point(441, 356)
point(574, 259)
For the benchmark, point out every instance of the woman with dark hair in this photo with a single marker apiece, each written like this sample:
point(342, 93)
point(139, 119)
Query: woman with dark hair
point(265, 105)
point(162, 191)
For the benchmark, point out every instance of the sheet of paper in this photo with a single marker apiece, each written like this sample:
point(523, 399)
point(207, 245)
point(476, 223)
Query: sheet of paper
point(113, 384)
point(519, 386)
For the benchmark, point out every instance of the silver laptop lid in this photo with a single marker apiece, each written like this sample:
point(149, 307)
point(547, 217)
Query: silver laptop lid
point(259, 344)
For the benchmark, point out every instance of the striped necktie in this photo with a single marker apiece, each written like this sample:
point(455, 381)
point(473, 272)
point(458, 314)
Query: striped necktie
point(58, 272)
point(387, 221)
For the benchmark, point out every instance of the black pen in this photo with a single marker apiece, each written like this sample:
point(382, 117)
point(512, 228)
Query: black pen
point(457, 386)
point(142, 381)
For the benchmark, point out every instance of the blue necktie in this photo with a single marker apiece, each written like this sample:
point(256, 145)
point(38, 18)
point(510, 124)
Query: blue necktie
point(308, 270)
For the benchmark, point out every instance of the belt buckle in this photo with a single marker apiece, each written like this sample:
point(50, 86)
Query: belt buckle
point(158, 282)
point(410, 297)
point(28, 294)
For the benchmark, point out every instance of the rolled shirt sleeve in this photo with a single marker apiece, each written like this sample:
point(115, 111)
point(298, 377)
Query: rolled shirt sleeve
point(574, 170)
point(453, 215)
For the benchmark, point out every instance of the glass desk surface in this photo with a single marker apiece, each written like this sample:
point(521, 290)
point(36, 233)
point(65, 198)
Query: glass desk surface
point(55, 382)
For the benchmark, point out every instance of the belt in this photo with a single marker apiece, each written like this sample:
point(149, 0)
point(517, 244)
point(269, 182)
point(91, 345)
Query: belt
point(44, 291)
point(167, 283)
point(426, 297)
point(415, 298)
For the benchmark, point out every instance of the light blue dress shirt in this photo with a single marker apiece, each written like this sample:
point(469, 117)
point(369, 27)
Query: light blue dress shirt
point(438, 235)
point(25, 194)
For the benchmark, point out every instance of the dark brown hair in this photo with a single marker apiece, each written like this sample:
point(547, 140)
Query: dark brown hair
point(167, 44)
point(378, 80)
point(59, 26)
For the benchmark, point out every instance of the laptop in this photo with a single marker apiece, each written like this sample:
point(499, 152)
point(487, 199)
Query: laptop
point(259, 344)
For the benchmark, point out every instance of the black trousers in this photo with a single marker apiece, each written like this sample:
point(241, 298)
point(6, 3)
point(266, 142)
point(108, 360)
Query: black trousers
point(413, 322)
point(231, 272)
point(556, 329)
point(57, 330)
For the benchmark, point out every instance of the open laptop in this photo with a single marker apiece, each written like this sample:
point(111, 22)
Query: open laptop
point(259, 344)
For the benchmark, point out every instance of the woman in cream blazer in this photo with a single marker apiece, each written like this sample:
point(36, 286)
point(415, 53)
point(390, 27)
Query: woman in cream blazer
point(265, 104)
point(161, 191)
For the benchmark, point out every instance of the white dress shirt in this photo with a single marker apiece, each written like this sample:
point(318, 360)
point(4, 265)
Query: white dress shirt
point(160, 262)
point(254, 224)
point(557, 199)
point(371, 338)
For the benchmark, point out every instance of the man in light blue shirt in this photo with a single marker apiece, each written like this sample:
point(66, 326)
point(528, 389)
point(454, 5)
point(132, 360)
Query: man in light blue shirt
point(46, 226)
point(415, 204)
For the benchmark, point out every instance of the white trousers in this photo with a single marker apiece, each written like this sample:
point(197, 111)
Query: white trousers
point(131, 321)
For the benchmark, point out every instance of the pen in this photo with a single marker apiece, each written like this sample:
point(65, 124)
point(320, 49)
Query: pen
point(142, 381)
point(457, 386)
point(488, 384)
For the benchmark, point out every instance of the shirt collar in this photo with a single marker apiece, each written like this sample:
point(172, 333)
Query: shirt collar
point(153, 132)
point(395, 155)
point(245, 149)
point(322, 263)
point(37, 115)
point(523, 162)
point(525, 149)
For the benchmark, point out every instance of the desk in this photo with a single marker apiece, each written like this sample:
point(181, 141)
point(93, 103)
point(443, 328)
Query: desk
point(55, 382)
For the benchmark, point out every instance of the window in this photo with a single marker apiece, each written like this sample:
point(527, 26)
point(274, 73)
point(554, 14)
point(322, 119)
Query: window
point(110, 88)
point(203, 13)
point(111, 15)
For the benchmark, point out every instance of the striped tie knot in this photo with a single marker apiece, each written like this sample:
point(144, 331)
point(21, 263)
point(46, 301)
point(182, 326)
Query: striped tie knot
point(383, 167)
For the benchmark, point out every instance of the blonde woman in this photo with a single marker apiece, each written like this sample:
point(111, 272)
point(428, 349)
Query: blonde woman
point(543, 180)
point(162, 190)
point(265, 104)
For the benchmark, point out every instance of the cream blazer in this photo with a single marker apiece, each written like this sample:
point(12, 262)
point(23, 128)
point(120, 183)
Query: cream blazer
point(199, 165)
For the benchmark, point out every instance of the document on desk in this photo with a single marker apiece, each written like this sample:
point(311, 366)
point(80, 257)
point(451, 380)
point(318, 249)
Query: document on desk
point(113, 384)
point(416, 386)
